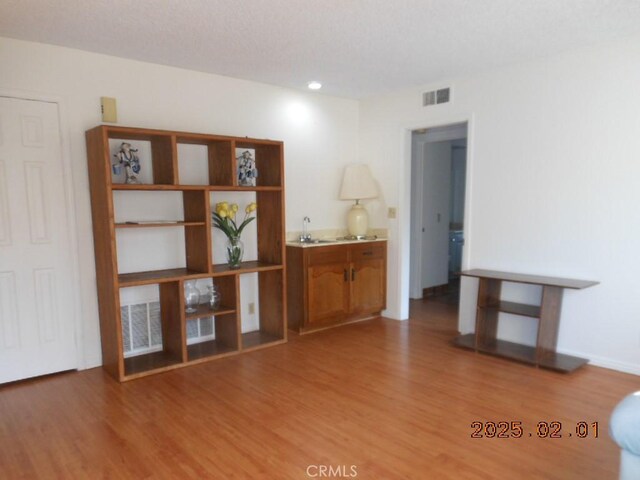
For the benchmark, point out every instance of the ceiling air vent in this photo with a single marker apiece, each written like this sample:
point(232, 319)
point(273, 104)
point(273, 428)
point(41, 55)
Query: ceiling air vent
point(436, 97)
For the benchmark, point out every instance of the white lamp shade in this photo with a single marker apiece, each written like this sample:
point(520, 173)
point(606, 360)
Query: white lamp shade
point(357, 183)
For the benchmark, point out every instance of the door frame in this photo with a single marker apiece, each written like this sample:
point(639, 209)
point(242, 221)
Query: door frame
point(404, 227)
point(70, 211)
point(417, 200)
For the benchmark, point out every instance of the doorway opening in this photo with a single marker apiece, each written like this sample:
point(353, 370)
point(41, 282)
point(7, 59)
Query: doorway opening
point(438, 188)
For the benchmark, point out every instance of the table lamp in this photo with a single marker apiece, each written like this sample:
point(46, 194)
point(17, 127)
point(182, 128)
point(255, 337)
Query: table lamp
point(358, 184)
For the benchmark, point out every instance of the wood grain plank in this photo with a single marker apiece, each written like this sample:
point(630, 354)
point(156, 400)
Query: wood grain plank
point(272, 301)
point(173, 323)
point(197, 238)
point(270, 227)
point(487, 318)
point(221, 162)
point(549, 326)
point(394, 399)
point(104, 242)
point(296, 289)
point(164, 159)
point(530, 279)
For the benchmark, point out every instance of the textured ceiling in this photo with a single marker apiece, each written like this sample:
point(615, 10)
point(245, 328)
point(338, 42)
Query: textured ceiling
point(356, 48)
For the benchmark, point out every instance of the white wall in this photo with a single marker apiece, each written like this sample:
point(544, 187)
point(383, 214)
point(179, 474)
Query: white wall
point(552, 167)
point(553, 173)
point(319, 132)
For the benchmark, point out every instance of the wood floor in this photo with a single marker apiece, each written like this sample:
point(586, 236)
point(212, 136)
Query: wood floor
point(392, 399)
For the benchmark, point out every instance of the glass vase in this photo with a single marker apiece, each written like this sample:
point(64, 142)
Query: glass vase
point(191, 296)
point(235, 250)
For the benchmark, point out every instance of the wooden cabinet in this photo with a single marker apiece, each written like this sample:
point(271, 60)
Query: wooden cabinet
point(335, 284)
point(166, 172)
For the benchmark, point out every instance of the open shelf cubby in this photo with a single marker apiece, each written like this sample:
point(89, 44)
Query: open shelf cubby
point(158, 232)
point(151, 329)
point(214, 332)
point(220, 337)
point(267, 330)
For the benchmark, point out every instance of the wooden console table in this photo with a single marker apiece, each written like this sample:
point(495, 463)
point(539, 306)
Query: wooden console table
point(548, 314)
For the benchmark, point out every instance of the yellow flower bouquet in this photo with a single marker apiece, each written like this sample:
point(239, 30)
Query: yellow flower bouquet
point(224, 218)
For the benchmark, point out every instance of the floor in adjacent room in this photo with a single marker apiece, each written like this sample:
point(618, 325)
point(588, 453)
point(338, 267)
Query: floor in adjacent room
point(390, 399)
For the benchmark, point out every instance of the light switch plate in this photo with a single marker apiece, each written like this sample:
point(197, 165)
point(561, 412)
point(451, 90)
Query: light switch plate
point(392, 212)
point(109, 109)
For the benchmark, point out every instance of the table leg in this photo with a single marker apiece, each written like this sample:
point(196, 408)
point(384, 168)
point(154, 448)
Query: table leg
point(486, 316)
point(549, 322)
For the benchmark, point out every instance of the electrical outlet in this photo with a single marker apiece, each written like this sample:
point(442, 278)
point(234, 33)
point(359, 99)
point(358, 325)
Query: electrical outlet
point(252, 308)
point(392, 212)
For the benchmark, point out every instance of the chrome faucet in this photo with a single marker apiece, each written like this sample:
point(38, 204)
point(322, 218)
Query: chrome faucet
point(305, 235)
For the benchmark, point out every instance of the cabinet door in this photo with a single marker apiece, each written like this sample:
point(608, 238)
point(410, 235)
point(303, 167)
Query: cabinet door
point(367, 286)
point(328, 287)
point(368, 278)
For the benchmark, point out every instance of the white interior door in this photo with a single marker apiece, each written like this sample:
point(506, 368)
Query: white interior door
point(37, 324)
point(435, 211)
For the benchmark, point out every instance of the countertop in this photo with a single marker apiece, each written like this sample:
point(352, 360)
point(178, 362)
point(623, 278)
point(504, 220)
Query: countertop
point(331, 242)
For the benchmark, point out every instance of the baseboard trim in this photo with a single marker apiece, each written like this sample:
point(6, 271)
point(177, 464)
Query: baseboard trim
point(607, 363)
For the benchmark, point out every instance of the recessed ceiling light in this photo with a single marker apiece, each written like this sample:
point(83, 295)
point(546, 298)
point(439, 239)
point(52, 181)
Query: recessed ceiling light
point(314, 85)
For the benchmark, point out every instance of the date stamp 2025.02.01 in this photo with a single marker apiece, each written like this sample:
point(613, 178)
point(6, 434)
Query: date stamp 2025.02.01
point(542, 429)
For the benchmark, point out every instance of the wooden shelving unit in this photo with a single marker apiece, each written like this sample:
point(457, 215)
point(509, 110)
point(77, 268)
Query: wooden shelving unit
point(547, 314)
point(199, 262)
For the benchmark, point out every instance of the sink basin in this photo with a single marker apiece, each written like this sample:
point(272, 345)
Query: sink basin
point(314, 241)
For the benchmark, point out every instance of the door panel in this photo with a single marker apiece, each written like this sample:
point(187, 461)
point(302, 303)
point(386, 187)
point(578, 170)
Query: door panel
point(5, 227)
point(435, 210)
point(37, 322)
point(328, 292)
